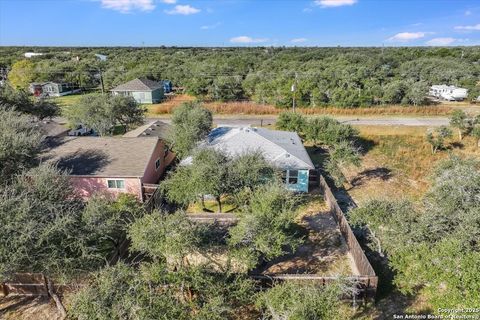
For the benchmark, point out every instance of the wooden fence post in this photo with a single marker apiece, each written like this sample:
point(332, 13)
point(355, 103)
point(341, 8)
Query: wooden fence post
point(4, 289)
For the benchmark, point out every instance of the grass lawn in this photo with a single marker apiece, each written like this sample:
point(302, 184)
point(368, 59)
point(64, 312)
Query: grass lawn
point(68, 101)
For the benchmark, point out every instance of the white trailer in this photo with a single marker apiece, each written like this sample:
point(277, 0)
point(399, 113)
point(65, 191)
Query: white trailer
point(449, 93)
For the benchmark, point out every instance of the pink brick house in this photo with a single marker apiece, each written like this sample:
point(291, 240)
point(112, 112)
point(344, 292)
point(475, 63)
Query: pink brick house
point(111, 165)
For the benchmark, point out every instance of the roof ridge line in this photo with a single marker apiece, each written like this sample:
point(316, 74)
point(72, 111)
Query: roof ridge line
point(285, 150)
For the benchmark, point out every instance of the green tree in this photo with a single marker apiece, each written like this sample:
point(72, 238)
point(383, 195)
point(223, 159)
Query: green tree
point(94, 112)
point(107, 220)
point(212, 173)
point(476, 134)
point(42, 227)
point(21, 101)
point(291, 300)
point(169, 237)
point(155, 292)
point(441, 234)
point(291, 121)
point(437, 138)
point(417, 93)
point(20, 143)
point(460, 121)
point(102, 113)
point(343, 155)
point(249, 171)
point(127, 112)
point(191, 124)
point(22, 74)
point(329, 131)
point(266, 225)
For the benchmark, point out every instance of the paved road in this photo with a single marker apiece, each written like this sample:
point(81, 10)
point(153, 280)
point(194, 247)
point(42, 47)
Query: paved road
point(362, 121)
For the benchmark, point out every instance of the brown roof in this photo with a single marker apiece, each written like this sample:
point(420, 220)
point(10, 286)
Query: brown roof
point(102, 156)
point(139, 84)
point(157, 128)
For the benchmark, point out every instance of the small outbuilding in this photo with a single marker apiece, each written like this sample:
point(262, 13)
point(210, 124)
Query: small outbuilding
point(142, 90)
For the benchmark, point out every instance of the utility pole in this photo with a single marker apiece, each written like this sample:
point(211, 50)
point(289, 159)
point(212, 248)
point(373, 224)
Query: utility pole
point(101, 81)
point(294, 90)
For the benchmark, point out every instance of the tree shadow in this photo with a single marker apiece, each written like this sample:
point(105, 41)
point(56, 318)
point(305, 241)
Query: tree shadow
point(364, 145)
point(381, 173)
point(19, 304)
point(84, 162)
point(456, 145)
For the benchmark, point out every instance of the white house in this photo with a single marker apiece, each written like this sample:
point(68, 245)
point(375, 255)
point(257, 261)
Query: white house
point(282, 149)
point(449, 93)
point(32, 54)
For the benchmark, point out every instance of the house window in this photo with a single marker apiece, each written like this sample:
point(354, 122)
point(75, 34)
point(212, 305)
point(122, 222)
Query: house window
point(292, 176)
point(116, 184)
point(141, 96)
point(284, 176)
point(157, 164)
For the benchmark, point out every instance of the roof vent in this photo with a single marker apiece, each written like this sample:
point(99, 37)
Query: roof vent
point(287, 155)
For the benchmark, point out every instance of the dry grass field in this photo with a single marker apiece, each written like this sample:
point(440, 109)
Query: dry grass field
point(397, 162)
point(252, 108)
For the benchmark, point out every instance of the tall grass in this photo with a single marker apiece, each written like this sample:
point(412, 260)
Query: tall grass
point(252, 108)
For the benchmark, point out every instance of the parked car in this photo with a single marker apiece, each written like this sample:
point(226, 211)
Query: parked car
point(81, 130)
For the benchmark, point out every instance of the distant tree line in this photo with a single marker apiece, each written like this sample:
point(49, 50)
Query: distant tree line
point(341, 77)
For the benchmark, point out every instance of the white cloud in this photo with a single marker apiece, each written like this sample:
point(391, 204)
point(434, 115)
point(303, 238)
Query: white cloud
point(169, 1)
point(469, 28)
point(299, 40)
point(334, 3)
point(212, 26)
point(407, 36)
point(468, 13)
point(246, 39)
point(126, 6)
point(183, 9)
point(440, 41)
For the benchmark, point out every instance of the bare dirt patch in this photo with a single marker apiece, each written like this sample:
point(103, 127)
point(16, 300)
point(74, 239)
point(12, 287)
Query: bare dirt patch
point(324, 252)
point(28, 308)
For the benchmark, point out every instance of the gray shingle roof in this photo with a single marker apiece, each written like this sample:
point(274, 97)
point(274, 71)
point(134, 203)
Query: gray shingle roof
point(102, 156)
point(139, 84)
point(283, 149)
point(157, 128)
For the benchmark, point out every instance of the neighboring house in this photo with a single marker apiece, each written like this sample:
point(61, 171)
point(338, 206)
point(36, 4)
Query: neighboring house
point(155, 128)
point(32, 54)
point(36, 89)
point(110, 165)
point(450, 93)
point(101, 57)
point(282, 149)
point(53, 89)
point(142, 90)
point(158, 129)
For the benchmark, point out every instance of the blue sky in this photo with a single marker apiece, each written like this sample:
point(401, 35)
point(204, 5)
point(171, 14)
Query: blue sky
point(239, 22)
